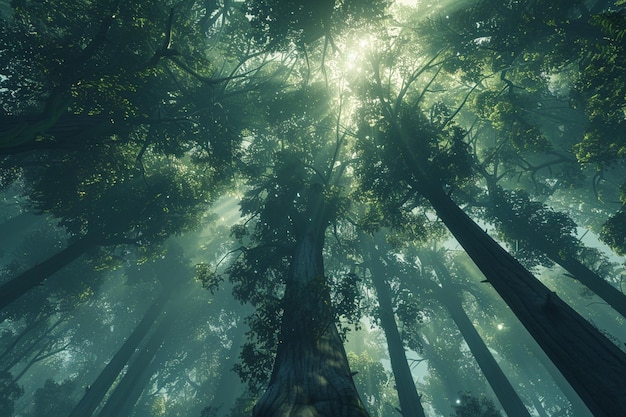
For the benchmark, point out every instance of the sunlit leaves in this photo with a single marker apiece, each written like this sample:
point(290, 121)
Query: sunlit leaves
point(614, 232)
point(285, 24)
point(210, 279)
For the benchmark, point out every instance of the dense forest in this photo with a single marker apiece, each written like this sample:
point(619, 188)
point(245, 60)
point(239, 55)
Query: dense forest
point(289, 208)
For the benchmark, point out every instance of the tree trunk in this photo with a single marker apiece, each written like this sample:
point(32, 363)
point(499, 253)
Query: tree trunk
point(452, 384)
point(593, 365)
point(29, 279)
point(521, 356)
point(311, 376)
point(611, 295)
point(96, 392)
point(129, 389)
point(410, 402)
point(229, 387)
point(11, 359)
point(506, 394)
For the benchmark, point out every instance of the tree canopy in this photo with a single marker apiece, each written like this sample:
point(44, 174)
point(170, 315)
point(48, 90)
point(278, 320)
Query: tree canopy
point(286, 208)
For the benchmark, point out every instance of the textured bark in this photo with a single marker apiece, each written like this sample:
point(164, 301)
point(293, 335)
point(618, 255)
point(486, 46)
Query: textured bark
point(98, 389)
point(29, 279)
point(592, 364)
point(311, 376)
point(410, 402)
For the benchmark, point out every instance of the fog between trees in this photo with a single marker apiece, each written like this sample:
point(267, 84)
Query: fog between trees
point(285, 208)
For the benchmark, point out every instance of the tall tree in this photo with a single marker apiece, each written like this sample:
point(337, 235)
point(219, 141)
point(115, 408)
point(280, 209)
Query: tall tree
point(502, 387)
point(410, 400)
point(433, 158)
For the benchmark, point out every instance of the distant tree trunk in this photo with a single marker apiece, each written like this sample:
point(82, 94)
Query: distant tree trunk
point(593, 365)
point(130, 388)
point(613, 297)
point(506, 394)
point(410, 402)
point(8, 355)
point(229, 387)
point(9, 360)
point(98, 389)
point(521, 356)
point(311, 376)
point(29, 279)
point(576, 269)
point(451, 381)
point(538, 405)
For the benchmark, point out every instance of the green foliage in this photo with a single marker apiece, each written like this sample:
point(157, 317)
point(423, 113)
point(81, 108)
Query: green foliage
point(208, 277)
point(507, 115)
point(373, 382)
point(10, 392)
point(613, 232)
point(472, 406)
point(532, 229)
point(601, 92)
point(54, 399)
point(284, 24)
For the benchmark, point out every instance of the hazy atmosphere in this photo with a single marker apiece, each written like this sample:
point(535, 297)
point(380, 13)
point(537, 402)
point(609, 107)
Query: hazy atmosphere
point(293, 208)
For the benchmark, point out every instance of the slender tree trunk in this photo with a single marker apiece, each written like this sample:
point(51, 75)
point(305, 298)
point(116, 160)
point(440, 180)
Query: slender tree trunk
point(29, 279)
point(520, 355)
point(451, 382)
point(611, 295)
point(98, 389)
point(506, 394)
point(410, 402)
point(25, 351)
point(8, 351)
point(129, 389)
point(229, 387)
point(593, 365)
point(311, 376)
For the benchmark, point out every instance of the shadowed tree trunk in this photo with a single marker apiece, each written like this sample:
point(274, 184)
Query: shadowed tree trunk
point(410, 402)
point(522, 353)
point(29, 279)
point(506, 394)
point(593, 365)
point(96, 392)
point(229, 387)
point(564, 258)
point(451, 381)
point(311, 376)
point(12, 356)
point(129, 389)
point(611, 295)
